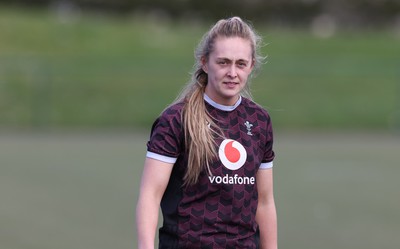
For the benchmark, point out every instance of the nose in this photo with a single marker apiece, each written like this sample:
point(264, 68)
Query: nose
point(232, 71)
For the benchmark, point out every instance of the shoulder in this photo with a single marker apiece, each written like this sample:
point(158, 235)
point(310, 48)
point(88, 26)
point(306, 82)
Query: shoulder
point(173, 109)
point(253, 108)
point(172, 112)
point(170, 117)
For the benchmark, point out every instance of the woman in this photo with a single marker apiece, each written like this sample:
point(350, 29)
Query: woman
point(209, 158)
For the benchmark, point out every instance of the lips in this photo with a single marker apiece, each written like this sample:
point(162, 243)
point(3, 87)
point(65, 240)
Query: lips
point(231, 84)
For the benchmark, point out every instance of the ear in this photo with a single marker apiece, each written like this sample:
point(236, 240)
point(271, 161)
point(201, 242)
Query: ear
point(204, 64)
point(253, 62)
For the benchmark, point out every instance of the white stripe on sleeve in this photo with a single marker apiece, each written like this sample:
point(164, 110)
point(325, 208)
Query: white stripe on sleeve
point(268, 165)
point(161, 158)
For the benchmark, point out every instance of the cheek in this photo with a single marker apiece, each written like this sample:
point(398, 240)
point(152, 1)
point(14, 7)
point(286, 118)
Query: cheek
point(215, 74)
point(245, 74)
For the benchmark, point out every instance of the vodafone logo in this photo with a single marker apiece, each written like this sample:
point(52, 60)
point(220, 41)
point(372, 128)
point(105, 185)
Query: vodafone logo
point(232, 154)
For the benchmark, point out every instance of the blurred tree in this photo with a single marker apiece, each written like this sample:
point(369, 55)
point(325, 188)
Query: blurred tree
point(347, 13)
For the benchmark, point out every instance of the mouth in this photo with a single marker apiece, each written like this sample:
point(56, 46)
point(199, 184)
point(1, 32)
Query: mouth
point(230, 83)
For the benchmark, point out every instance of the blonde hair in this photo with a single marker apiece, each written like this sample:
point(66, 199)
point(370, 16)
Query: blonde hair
point(199, 127)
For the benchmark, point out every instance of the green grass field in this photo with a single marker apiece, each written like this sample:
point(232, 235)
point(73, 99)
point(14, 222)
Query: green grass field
point(78, 190)
point(106, 71)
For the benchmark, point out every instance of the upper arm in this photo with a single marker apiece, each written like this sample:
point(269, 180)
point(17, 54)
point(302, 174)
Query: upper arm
point(155, 178)
point(264, 181)
point(154, 181)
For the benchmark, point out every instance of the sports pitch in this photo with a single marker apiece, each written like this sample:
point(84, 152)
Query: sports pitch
point(79, 189)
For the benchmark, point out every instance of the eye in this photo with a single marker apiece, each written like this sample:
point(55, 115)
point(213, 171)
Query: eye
point(242, 64)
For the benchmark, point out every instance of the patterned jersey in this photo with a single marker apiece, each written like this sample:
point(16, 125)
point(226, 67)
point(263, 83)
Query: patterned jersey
point(219, 211)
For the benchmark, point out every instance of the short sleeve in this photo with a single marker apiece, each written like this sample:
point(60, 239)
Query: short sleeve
point(166, 137)
point(269, 154)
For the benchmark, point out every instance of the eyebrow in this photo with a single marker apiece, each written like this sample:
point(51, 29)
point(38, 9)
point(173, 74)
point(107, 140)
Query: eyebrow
point(227, 59)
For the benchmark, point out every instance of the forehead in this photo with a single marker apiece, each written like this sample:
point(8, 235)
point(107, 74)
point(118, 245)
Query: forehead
point(232, 48)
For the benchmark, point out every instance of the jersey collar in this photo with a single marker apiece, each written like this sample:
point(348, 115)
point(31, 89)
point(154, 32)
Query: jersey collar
point(228, 108)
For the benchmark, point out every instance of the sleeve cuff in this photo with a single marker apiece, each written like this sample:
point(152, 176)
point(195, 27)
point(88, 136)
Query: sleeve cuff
point(268, 165)
point(161, 158)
